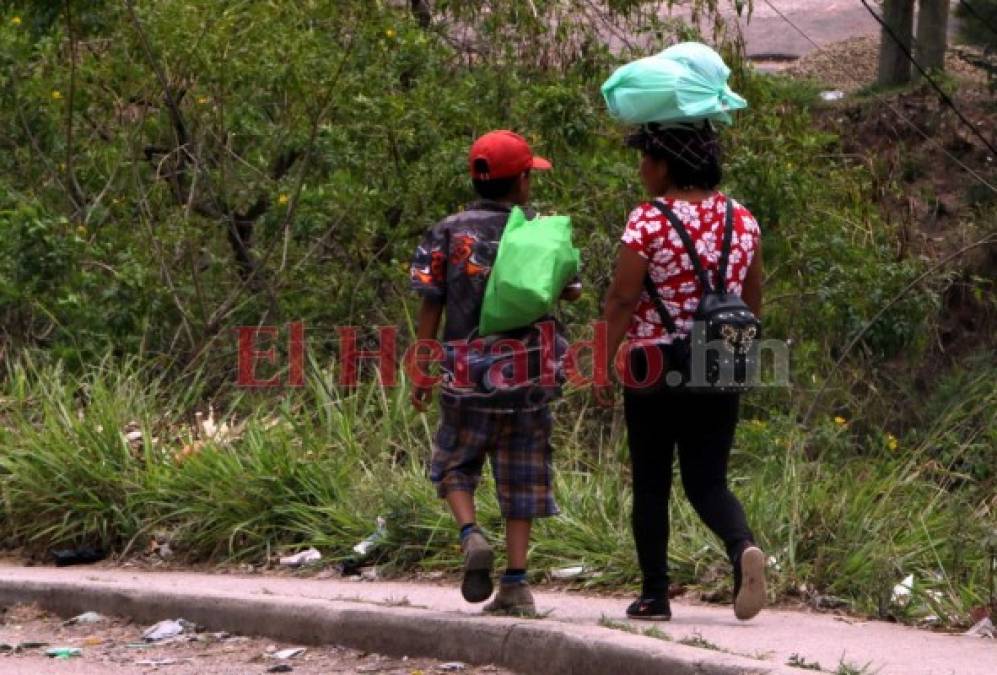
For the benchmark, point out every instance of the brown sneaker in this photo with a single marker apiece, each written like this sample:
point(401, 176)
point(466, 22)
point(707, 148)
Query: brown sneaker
point(513, 599)
point(749, 583)
point(478, 561)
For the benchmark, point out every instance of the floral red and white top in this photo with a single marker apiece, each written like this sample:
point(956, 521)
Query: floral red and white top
point(649, 233)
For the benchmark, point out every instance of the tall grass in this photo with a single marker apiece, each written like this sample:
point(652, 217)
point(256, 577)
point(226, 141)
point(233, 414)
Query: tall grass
point(317, 467)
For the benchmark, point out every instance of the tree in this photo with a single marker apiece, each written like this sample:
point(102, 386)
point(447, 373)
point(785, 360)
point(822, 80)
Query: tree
point(896, 37)
point(932, 33)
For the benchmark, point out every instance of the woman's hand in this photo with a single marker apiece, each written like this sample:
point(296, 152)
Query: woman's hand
point(621, 300)
point(604, 395)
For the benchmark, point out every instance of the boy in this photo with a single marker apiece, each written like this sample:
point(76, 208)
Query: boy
point(450, 271)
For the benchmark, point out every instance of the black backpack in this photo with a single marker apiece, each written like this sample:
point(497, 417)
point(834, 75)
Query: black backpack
point(721, 354)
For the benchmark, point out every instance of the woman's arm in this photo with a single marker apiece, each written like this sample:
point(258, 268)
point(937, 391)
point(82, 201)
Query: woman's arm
point(752, 292)
point(621, 299)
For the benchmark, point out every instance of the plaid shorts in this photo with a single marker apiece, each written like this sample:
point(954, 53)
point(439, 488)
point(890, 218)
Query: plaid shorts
point(518, 444)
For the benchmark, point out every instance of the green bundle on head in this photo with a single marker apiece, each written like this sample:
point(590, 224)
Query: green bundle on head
point(685, 83)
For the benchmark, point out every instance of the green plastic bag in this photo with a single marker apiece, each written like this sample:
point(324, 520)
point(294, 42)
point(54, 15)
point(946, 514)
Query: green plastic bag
point(684, 83)
point(535, 261)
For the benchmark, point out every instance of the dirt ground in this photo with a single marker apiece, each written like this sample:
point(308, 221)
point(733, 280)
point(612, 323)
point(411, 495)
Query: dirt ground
point(851, 64)
point(115, 645)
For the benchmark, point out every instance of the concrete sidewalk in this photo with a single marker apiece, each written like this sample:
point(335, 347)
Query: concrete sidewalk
point(432, 620)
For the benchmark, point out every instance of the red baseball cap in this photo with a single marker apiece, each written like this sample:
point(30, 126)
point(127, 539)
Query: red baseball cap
point(502, 154)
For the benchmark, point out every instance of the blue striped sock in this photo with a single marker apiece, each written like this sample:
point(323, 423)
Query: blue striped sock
point(512, 576)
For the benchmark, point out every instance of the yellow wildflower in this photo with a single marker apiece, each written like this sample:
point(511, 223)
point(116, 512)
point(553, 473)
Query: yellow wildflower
point(391, 33)
point(202, 100)
point(16, 21)
point(840, 421)
point(282, 200)
point(891, 442)
point(56, 95)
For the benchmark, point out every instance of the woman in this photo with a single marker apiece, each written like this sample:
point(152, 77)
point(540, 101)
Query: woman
point(681, 167)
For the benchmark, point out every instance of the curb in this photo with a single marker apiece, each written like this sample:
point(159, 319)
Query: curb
point(524, 646)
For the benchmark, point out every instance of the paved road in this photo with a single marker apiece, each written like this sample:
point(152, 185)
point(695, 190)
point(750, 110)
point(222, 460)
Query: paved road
point(825, 21)
point(889, 649)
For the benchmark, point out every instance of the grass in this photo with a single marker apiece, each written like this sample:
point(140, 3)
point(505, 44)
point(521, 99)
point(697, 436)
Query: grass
point(697, 640)
point(318, 467)
point(797, 661)
point(657, 633)
point(606, 622)
point(845, 668)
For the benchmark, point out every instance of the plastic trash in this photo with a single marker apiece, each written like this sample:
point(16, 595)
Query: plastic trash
point(63, 652)
point(302, 558)
point(82, 555)
point(364, 548)
point(903, 590)
point(983, 628)
point(452, 666)
point(536, 259)
point(169, 628)
point(687, 82)
point(6, 648)
point(566, 573)
point(286, 654)
point(85, 619)
point(833, 95)
point(828, 602)
point(30, 644)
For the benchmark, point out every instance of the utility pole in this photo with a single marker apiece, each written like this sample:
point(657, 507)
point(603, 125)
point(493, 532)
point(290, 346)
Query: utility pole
point(932, 33)
point(894, 66)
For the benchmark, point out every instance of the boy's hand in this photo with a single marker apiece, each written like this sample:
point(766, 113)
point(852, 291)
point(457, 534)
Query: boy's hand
point(421, 398)
point(571, 293)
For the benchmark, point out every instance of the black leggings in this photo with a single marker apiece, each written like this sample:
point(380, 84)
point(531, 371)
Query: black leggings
point(703, 428)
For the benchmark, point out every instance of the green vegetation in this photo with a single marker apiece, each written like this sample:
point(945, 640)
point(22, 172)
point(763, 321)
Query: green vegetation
point(171, 173)
point(797, 661)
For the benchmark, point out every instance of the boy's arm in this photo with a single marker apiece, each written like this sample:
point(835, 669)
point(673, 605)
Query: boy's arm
point(430, 313)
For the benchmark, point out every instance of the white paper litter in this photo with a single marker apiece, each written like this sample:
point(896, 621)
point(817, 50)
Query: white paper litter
point(169, 628)
point(285, 654)
point(302, 558)
point(902, 591)
point(85, 619)
point(983, 628)
point(567, 572)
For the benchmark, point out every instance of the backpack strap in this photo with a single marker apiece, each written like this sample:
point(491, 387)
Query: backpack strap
point(659, 305)
point(690, 248)
point(725, 251)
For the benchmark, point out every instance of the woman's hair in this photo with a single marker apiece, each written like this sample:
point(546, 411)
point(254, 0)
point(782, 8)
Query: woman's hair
point(693, 153)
